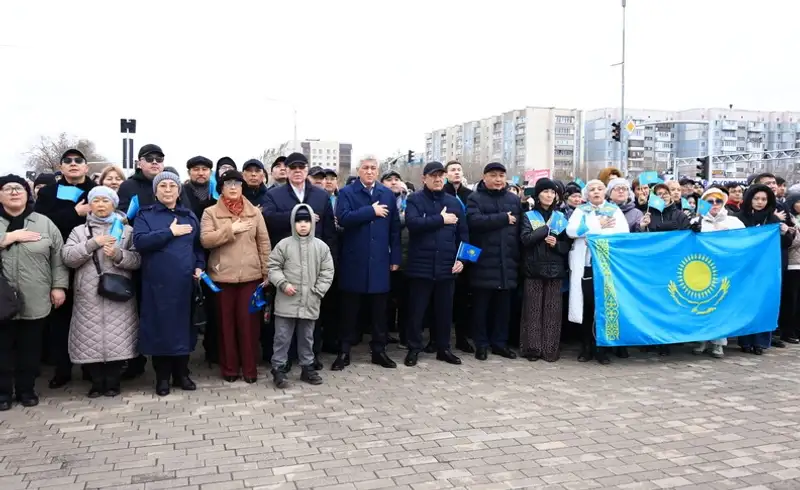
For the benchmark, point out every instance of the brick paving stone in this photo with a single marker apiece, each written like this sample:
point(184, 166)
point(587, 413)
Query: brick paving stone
point(643, 423)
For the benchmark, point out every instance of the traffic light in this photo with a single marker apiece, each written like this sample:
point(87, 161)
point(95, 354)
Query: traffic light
point(704, 169)
point(615, 131)
point(410, 156)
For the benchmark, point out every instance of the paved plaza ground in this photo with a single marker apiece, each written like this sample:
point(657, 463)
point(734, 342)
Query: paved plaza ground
point(641, 423)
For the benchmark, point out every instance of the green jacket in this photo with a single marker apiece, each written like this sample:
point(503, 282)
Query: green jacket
point(35, 268)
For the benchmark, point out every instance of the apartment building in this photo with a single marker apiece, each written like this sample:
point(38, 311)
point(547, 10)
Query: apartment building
point(532, 138)
point(716, 132)
point(326, 154)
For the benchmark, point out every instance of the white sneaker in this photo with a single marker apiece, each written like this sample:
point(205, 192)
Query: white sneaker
point(701, 347)
point(716, 351)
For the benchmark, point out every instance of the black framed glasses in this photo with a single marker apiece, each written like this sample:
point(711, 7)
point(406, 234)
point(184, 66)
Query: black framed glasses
point(68, 160)
point(151, 159)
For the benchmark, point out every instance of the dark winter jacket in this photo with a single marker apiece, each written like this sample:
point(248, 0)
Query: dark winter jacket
point(369, 245)
point(137, 185)
point(751, 217)
point(257, 196)
point(489, 230)
point(432, 245)
point(62, 211)
point(277, 209)
point(671, 219)
point(462, 195)
point(189, 200)
point(632, 214)
point(540, 260)
point(168, 264)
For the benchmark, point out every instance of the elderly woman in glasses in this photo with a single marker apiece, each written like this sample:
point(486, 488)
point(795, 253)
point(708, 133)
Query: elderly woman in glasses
point(30, 255)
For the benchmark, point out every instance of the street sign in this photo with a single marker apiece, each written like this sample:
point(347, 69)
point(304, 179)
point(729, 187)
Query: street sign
point(630, 126)
point(531, 176)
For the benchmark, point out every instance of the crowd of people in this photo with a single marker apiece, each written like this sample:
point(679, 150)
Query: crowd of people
point(282, 265)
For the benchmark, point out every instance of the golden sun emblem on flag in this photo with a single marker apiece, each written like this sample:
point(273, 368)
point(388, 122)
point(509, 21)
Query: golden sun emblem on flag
point(471, 252)
point(699, 285)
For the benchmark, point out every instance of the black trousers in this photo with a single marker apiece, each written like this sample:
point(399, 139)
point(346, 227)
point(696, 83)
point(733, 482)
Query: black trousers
point(268, 332)
point(175, 366)
point(439, 295)
point(106, 375)
point(211, 335)
point(790, 304)
point(462, 308)
point(20, 353)
point(397, 304)
point(349, 327)
point(490, 315)
point(329, 318)
point(588, 338)
point(59, 336)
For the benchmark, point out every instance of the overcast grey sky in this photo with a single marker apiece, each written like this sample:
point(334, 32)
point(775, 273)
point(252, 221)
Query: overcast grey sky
point(197, 75)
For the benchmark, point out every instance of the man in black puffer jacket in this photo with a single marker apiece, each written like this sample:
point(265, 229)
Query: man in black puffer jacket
point(493, 217)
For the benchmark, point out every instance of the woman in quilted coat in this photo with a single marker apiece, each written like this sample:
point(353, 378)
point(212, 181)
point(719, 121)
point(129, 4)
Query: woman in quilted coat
point(103, 333)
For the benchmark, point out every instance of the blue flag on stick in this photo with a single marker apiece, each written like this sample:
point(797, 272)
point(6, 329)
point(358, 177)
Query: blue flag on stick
point(258, 300)
point(703, 207)
point(656, 202)
point(468, 252)
point(68, 193)
point(116, 229)
point(700, 287)
point(133, 208)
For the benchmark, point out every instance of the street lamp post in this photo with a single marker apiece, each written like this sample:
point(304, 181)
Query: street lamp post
point(623, 140)
point(294, 119)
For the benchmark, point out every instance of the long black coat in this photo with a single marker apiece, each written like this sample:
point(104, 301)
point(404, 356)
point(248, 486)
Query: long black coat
point(489, 230)
point(432, 245)
point(62, 211)
point(540, 260)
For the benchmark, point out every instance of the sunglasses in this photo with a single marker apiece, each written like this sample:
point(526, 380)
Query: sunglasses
point(151, 159)
point(715, 201)
point(68, 160)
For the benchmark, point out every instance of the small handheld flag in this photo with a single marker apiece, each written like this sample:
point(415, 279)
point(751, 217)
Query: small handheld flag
point(580, 183)
point(258, 300)
point(607, 209)
point(685, 204)
point(656, 202)
point(133, 208)
point(212, 186)
point(213, 287)
point(703, 207)
point(649, 178)
point(68, 193)
point(116, 229)
point(468, 252)
point(558, 223)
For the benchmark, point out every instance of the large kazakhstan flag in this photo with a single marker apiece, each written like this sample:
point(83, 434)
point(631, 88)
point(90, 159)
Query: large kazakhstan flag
point(672, 287)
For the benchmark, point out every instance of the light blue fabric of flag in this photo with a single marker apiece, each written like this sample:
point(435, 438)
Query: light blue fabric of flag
point(68, 193)
point(703, 207)
point(116, 229)
point(682, 286)
point(133, 208)
point(656, 202)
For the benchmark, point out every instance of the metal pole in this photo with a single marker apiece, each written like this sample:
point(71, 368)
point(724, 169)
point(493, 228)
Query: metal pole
point(623, 139)
point(294, 109)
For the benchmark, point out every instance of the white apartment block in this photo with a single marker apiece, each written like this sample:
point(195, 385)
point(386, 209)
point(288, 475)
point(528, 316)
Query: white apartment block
point(532, 138)
point(723, 132)
point(325, 154)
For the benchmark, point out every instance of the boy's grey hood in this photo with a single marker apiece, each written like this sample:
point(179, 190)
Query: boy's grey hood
point(292, 221)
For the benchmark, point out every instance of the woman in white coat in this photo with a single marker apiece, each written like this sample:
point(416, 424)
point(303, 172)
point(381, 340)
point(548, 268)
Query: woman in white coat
point(589, 218)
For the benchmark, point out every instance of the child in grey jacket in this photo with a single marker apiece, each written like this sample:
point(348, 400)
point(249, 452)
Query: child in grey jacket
point(301, 268)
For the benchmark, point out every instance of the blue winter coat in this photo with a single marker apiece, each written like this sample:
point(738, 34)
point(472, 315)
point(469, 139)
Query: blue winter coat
point(369, 245)
point(168, 264)
point(432, 245)
point(277, 209)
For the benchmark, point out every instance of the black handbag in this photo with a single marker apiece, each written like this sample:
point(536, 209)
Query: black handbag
point(113, 287)
point(10, 298)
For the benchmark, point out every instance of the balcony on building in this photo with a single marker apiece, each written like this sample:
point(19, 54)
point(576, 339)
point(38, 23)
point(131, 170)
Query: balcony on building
point(729, 125)
point(751, 147)
point(637, 145)
point(756, 127)
point(729, 136)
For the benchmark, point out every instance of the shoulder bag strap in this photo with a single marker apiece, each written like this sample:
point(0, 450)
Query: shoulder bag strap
point(94, 255)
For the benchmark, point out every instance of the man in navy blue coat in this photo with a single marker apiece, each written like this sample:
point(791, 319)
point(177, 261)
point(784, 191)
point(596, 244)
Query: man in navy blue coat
point(370, 249)
point(436, 225)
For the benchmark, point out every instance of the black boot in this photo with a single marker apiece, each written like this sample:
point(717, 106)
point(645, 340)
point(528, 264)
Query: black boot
point(448, 357)
point(162, 387)
point(411, 358)
point(504, 352)
point(310, 376)
point(59, 381)
point(481, 353)
point(463, 344)
point(381, 359)
point(317, 364)
point(341, 362)
point(280, 379)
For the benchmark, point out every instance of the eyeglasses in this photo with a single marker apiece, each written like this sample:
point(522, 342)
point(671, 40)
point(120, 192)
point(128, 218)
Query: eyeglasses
point(232, 183)
point(14, 189)
point(151, 159)
point(68, 160)
point(715, 201)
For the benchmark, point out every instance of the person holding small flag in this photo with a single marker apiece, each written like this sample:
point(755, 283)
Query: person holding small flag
point(103, 332)
point(167, 235)
point(437, 227)
point(493, 215)
point(234, 232)
point(545, 247)
point(64, 203)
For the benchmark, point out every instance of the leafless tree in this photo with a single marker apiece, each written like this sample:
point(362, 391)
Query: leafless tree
point(45, 156)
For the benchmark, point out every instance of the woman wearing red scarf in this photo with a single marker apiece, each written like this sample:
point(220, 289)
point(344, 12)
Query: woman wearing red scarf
point(236, 235)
